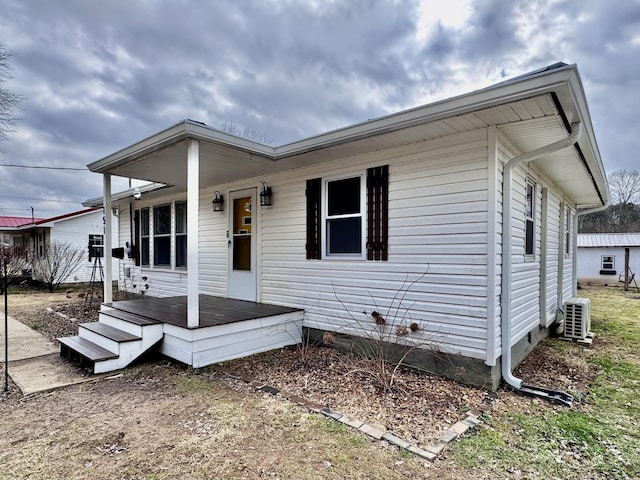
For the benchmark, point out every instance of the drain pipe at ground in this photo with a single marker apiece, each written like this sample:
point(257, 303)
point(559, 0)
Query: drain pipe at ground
point(507, 221)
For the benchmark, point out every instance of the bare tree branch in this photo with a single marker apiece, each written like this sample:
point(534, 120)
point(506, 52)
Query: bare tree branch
point(57, 263)
point(625, 186)
point(250, 133)
point(9, 101)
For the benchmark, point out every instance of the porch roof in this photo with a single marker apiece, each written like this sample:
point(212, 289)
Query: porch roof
point(531, 111)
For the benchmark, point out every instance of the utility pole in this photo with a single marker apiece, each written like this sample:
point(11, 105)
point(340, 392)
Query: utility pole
point(6, 325)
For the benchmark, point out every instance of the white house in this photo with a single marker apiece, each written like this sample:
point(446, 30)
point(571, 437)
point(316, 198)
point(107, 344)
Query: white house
point(602, 257)
point(81, 229)
point(402, 215)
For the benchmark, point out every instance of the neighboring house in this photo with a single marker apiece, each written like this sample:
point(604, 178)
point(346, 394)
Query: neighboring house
point(81, 229)
point(10, 225)
point(601, 257)
point(402, 214)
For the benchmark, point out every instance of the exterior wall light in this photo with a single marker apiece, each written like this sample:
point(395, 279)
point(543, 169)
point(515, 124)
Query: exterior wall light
point(218, 202)
point(265, 195)
point(137, 194)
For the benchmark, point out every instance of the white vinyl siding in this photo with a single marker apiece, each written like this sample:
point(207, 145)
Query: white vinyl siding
point(76, 231)
point(526, 269)
point(437, 238)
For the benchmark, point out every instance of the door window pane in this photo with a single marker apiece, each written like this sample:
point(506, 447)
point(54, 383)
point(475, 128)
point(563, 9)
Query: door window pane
point(242, 221)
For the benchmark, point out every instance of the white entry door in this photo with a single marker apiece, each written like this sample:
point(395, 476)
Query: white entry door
point(242, 245)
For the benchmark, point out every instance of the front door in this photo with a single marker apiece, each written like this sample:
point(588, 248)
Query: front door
point(242, 245)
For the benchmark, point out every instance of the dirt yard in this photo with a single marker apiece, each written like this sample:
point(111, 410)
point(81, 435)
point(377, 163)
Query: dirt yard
point(162, 420)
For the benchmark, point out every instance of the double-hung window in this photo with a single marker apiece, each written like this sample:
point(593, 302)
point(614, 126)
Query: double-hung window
point(96, 246)
point(162, 236)
point(343, 221)
point(144, 237)
point(567, 232)
point(348, 217)
point(608, 263)
point(529, 219)
point(181, 234)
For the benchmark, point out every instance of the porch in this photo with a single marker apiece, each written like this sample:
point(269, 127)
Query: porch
point(227, 329)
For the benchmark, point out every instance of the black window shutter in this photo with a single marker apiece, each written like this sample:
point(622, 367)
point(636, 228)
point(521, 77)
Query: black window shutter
point(314, 219)
point(136, 246)
point(377, 212)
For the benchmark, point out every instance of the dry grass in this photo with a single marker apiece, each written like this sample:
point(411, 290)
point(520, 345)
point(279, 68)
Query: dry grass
point(164, 421)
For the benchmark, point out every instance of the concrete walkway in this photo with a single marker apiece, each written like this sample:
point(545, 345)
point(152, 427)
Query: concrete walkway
point(34, 362)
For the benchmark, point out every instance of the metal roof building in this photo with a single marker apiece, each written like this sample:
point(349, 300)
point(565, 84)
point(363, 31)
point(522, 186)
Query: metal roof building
point(592, 240)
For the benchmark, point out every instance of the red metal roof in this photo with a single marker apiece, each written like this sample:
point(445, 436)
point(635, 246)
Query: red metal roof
point(66, 215)
point(13, 222)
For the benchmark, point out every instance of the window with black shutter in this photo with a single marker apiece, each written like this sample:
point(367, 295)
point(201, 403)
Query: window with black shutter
point(336, 213)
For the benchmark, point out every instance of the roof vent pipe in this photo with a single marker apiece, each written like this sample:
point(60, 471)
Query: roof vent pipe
point(507, 221)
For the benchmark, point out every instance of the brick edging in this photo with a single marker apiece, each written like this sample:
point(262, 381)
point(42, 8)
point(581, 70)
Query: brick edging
point(430, 452)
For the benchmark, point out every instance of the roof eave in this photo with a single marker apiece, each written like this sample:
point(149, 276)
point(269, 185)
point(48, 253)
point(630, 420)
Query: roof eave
point(505, 92)
point(180, 131)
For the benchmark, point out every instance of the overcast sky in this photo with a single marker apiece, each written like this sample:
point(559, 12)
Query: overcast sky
point(97, 76)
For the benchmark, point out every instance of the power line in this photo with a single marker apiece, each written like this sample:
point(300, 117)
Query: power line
point(43, 168)
point(40, 199)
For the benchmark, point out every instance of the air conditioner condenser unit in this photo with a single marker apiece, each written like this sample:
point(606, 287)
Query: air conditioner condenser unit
point(577, 318)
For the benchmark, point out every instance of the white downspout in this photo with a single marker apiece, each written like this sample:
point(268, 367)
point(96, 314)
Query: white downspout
point(507, 221)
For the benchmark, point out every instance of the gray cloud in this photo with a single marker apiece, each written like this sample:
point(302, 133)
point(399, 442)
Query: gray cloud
point(98, 76)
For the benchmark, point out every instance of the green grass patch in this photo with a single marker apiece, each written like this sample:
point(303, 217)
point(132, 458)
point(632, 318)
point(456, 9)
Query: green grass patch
point(600, 438)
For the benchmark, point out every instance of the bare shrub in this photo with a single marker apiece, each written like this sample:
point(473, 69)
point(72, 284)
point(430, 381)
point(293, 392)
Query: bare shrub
point(385, 337)
point(15, 259)
point(58, 261)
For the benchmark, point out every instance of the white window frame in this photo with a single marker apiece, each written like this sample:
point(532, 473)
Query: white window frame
point(93, 245)
point(148, 237)
point(603, 261)
point(567, 233)
point(177, 234)
point(362, 215)
point(152, 236)
point(530, 184)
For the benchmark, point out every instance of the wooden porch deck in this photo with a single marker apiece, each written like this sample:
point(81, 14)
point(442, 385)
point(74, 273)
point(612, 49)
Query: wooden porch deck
point(213, 310)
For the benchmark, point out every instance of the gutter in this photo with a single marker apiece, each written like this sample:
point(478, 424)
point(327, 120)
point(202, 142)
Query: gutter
point(507, 262)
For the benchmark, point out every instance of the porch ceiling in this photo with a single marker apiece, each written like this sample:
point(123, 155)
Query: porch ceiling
point(525, 110)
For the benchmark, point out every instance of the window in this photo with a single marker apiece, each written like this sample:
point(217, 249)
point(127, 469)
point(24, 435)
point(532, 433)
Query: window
point(343, 221)
point(96, 246)
point(336, 210)
point(144, 236)
point(567, 232)
point(608, 263)
point(530, 215)
point(162, 236)
point(181, 234)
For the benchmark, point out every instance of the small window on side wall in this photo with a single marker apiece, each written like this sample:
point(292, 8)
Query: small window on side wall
point(530, 215)
point(567, 233)
point(608, 263)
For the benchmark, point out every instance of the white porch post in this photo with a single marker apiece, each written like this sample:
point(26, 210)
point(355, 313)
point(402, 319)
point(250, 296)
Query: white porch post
point(108, 271)
point(193, 232)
